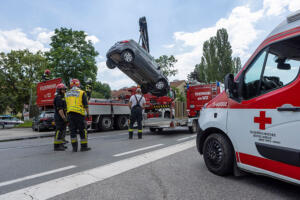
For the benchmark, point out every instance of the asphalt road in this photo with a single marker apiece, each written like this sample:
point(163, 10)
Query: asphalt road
point(160, 166)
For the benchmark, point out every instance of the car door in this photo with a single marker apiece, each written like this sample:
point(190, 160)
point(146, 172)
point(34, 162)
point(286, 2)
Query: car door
point(265, 124)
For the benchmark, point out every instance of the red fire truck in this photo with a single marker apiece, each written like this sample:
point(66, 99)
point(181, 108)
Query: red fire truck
point(105, 114)
point(163, 112)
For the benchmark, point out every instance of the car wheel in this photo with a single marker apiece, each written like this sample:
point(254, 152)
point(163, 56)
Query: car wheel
point(218, 154)
point(152, 130)
point(193, 128)
point(106, 123)
point(161, 84)
point(110, 64)
point(144, 89)
point(127, 56)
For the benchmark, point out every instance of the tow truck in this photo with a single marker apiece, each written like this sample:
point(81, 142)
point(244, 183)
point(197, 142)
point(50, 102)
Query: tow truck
point(254, 124)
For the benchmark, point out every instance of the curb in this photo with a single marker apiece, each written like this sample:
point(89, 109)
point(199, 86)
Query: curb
point(27, 138)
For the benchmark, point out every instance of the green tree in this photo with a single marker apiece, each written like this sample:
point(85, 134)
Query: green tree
point(216, 60)
point(101, 90)
point(166, 64)
point(19, 73)
point(72, 56)
point(181, 97)
point(237, 65)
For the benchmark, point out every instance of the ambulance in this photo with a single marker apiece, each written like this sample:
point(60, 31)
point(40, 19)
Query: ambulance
point(254, 125)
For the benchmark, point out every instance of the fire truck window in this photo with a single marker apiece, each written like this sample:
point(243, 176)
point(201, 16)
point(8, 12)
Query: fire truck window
point(273, 77)
point(252, 77)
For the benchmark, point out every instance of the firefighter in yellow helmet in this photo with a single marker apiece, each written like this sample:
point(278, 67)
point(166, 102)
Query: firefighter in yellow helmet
point(77, 106)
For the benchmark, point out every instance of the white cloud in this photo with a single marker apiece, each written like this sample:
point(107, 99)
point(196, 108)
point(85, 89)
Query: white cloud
point(16, 39)
point(93, 39)
point(241, 25)
point(169, 46)
point(114, 77)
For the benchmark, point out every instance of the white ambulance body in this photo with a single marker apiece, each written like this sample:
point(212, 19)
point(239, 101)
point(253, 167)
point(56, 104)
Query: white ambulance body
point(254, 125)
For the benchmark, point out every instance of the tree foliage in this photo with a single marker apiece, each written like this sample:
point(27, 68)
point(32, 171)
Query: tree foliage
point(166, 64)
point(101, 90)
point(72, 56)
point(19, 72)
point(216, 60)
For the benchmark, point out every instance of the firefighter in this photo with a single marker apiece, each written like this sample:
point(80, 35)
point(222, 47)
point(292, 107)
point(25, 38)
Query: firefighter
point(60, 117)
point(46, 75)
point(136, 104)
point(88, 88)
point(77, 105)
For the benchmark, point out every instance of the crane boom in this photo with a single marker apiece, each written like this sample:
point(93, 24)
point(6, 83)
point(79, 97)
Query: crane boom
point(144, 34)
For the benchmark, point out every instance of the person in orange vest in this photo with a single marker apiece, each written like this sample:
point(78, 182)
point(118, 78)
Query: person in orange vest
point(77, 106)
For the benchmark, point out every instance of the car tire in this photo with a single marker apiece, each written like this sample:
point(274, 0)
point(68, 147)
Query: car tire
point(193, 128)
point(218, 154)
point(110, 64)
point(106, 123)
point(144, 89)
point(161, 84)
point(127, 56)
point(122, 122)
point(152, 130)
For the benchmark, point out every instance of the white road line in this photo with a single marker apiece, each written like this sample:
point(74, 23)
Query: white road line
point(185, 138)
point(65, 184)
point(137, 150)
point(36, 175)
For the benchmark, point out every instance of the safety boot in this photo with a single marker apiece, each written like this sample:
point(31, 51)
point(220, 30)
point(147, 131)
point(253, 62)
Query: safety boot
point(84, 147)
point(139, 135)
point(59, 147)
point(130, 135)
point(75, 146)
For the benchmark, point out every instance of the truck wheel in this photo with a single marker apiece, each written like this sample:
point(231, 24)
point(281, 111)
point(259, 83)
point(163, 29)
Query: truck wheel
point(152, 130)
point(127, 56)
point(106, 123)
point(122, 122)
point(193, 128)
point(218, 154)
point(110, 64)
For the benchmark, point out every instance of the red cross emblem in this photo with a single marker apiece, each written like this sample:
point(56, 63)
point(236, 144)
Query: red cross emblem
point(262, 120)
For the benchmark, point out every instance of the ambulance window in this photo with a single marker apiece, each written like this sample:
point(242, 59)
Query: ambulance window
point(252, 77)
point(278, 77)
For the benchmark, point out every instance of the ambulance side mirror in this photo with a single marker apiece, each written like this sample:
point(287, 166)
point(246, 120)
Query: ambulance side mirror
point(230, 86)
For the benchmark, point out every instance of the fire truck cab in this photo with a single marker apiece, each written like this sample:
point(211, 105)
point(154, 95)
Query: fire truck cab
point(254, 124)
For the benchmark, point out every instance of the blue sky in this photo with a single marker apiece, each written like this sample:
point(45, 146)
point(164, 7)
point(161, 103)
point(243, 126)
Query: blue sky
point(175, 26)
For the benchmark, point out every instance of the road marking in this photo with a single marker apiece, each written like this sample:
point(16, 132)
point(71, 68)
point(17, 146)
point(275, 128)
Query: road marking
point(36, 175)
point(137, 150)
point(65, 184)
point(185, 138)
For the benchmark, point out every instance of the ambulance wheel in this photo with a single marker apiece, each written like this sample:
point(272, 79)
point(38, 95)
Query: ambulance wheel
point(122, 122)
point(106, 123)
point(193, 128)
point(218, 154)
point(127, 56)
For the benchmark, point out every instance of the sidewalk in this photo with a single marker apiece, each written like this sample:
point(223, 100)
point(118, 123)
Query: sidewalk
point(13, 134)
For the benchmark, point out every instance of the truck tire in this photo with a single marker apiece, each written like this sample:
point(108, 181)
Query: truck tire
point(105, 123)
point(193, 128)
point(218, 154)
point(122, 122)
point(127, 56)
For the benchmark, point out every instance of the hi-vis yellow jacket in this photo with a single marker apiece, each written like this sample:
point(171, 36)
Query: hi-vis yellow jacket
point(74, 101)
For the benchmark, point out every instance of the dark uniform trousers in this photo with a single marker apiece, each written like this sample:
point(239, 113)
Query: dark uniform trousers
point(136, 116)
point(60, 133)
point(77, 123)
